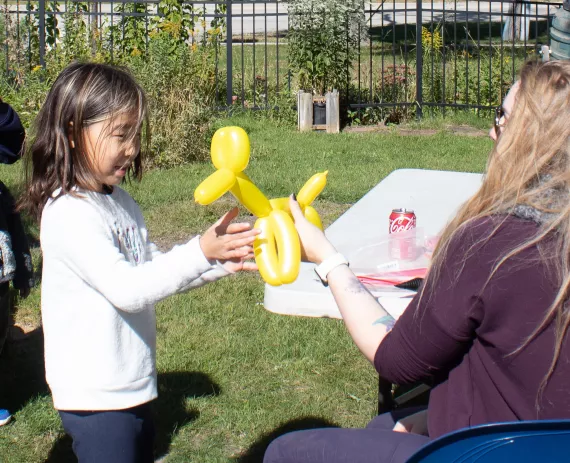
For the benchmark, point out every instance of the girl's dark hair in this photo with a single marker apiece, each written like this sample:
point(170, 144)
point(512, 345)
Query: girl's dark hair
point(83, 94)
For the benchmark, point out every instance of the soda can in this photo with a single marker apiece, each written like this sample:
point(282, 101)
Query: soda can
point(402, 220)
point(403, 223)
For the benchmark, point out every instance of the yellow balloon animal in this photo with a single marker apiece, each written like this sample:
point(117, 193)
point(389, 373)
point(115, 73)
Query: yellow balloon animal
point(277, 248)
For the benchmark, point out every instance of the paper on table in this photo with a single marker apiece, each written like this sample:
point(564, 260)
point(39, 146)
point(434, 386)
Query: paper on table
point(394, 302)
point(387, 279)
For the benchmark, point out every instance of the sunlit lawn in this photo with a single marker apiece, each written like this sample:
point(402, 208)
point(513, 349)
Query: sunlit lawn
point(231, 374)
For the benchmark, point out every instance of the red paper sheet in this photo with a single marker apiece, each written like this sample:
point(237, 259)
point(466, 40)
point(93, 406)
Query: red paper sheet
point(392, 278)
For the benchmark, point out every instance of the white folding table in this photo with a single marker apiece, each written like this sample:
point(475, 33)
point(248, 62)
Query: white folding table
point(434, 196)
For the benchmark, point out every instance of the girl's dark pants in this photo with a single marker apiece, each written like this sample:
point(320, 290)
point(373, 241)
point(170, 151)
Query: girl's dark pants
point(117, 436)
point(376, 443)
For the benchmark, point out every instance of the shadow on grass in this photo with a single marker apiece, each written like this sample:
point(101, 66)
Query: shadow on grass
point(61, 452)
point(22, 376)
point(255, 453)
point(169, 410)
point(22, 369)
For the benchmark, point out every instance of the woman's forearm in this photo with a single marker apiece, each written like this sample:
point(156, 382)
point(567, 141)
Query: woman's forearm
point(366, 320)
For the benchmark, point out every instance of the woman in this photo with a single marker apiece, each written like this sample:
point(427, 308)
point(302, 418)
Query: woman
point(488, 327)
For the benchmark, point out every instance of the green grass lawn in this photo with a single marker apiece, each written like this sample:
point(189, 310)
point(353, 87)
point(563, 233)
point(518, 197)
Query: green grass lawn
point(232, 375)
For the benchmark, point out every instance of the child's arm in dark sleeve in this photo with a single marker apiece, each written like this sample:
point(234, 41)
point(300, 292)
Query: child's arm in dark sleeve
point(23, 278)
point(12, 134)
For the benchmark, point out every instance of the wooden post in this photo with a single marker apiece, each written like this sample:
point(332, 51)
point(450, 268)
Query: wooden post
point(304, 111)
point(333, 112)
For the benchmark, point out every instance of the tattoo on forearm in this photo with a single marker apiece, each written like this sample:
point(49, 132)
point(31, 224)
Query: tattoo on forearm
point(387, 321)
point(355, 286)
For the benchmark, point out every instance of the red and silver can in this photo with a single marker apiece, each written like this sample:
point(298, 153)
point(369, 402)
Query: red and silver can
point(402, 221)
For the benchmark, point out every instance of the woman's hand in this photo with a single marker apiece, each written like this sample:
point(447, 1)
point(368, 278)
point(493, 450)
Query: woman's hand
point(314, 244)
point(229, 243)
point(415, 424)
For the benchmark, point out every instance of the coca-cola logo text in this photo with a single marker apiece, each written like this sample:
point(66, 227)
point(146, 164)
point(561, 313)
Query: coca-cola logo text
point(402, 223)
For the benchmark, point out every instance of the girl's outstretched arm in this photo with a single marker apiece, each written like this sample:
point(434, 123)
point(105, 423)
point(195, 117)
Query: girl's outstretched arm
point(75, 233)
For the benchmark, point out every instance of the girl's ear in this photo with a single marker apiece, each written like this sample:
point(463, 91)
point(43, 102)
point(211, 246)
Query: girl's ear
point(70, 135)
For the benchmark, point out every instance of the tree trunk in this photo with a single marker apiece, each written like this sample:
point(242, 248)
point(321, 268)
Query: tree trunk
point(517, 24)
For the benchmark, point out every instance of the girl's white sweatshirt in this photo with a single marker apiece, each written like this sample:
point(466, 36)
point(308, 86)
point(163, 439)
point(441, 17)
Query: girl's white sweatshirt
point(100, 280)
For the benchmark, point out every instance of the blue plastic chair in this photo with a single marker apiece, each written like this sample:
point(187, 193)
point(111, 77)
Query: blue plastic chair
point(545, 441)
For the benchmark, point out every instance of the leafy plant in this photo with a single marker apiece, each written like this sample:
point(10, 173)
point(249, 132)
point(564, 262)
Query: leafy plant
point(75, 41)
point(432, 46)
point(176, 19)
point(52, 23)
point(129, 35)
point(473, 75)
point(324, 36)
point(180, 85)
point(397, 83)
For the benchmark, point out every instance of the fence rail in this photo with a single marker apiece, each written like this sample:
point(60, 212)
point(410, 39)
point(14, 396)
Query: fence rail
point(416, 57)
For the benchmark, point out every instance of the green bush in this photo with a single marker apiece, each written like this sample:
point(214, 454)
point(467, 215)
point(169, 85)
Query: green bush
point(472, 76)
point(180, 83)
point(324, 36)
point(179, 78)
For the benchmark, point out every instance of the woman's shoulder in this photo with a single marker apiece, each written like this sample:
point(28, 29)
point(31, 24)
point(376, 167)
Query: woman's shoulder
point(506, 226)
point(491, 235)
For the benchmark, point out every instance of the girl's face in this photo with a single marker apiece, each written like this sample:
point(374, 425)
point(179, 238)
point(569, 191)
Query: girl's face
point(111, 148)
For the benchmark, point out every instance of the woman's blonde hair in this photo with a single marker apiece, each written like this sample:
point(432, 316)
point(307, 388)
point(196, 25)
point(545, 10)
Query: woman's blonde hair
point(529, 165)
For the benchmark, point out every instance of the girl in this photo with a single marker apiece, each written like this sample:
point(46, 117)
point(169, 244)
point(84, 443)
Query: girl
point(489, 326)
point(101, 275)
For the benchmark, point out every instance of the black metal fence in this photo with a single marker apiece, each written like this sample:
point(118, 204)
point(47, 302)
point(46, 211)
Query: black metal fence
point(416, 56)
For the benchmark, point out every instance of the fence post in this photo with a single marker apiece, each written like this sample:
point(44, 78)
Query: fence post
point(42, 31)
point(419, 60)
point(229, 58)
point(94, 10)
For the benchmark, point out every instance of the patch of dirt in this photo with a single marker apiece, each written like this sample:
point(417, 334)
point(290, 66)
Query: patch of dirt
point(463, 130)
point(467, 131)
point(415, 132)
point(367, 129)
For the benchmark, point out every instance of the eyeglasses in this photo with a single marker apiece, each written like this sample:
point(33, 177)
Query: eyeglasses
point(499, 115)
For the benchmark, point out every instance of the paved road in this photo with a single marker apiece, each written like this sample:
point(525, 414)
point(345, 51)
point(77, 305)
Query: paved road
point(261, 18)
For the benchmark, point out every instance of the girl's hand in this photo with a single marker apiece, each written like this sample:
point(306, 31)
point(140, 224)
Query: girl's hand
point(315, 245)
point(229, 242)
point(237, 265)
